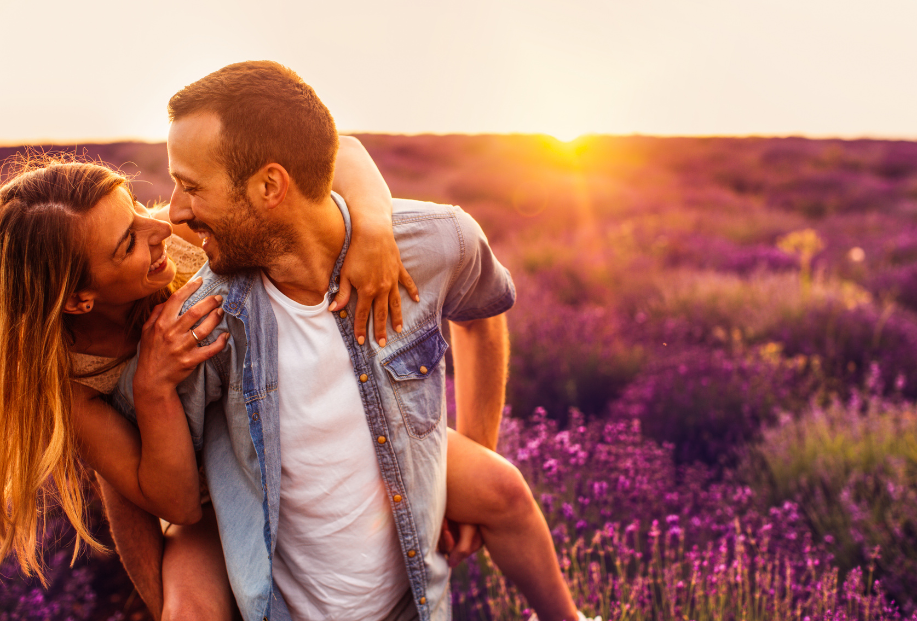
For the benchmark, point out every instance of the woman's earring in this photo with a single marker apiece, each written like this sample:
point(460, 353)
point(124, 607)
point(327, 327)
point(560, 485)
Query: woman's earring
point(87, 306)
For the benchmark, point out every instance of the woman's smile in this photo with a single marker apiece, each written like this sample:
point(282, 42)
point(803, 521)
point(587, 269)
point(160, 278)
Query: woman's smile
point(159, 264)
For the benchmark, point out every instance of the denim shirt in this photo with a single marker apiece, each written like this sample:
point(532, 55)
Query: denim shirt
point(232, 402)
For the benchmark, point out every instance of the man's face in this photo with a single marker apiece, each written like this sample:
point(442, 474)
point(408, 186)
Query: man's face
point(235, 234)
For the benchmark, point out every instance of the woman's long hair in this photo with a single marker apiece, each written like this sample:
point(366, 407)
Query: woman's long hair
point(44, 260)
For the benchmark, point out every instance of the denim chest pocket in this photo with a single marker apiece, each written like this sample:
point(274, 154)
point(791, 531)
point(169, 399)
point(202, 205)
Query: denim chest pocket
point(416, 372)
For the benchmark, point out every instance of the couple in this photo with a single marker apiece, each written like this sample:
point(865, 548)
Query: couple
point(329, 465)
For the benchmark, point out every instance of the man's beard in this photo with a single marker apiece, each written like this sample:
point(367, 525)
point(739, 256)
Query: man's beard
point(244, 239)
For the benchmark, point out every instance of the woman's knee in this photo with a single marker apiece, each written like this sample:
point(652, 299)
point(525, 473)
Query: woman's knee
point(511, 495)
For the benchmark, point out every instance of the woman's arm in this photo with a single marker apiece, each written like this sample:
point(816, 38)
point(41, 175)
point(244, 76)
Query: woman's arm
point(373, 264)
point(153, 465)
point(112, 447)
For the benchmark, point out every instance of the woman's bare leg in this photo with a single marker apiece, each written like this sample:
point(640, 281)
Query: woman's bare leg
point(483, 488)
point(194, 581)
point(138, 540)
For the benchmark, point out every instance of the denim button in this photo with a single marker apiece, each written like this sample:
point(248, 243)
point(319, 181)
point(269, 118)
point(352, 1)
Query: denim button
point(255, 417)
point(397, 498)
point(423, 600)
point(412, 553)
point(381, 439)
point(364, 377)
point(423, 370)
point(343, 314)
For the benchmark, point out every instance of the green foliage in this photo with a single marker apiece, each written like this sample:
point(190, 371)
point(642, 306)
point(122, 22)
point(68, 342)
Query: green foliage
point(853, 469)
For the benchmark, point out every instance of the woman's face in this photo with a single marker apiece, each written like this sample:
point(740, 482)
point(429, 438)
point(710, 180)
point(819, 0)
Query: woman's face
point(127, 254)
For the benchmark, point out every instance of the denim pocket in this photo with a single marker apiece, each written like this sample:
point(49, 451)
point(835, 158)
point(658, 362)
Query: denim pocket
point(416, 372)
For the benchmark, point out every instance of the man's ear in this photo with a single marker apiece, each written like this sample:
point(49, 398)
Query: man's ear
point(271, 185)
point(79, 303)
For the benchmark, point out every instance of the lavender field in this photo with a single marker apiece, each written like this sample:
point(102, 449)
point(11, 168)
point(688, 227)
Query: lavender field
point(713, 386)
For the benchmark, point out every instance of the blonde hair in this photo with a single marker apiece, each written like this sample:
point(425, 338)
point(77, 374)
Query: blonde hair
point(43, 261)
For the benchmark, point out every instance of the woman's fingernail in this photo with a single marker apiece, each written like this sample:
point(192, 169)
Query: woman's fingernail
point(219, 299)
point(333, 307)
point(360, 340)
point(220, 312)
point(398, 328)
point(381, 342)
point(417, 298)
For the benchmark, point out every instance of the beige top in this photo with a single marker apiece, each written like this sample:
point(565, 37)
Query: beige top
point(188, 259)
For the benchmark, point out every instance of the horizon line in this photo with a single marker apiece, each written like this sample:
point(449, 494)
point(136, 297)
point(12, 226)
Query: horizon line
point(750, 135)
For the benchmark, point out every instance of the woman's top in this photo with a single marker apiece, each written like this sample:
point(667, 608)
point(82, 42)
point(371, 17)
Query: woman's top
point(188, 259)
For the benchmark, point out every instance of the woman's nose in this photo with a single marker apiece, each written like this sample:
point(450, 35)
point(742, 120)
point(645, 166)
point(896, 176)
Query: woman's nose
point(160, 230)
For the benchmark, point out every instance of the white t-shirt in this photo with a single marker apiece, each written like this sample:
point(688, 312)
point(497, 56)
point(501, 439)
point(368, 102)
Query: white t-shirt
point(338, 555)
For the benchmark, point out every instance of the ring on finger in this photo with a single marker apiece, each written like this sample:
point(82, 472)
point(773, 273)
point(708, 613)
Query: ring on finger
point(199, 343)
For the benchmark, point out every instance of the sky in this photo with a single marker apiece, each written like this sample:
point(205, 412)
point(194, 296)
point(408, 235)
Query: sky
point(78, 71)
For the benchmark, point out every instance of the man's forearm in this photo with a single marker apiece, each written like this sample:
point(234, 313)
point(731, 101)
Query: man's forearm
point(480, 352)
point(139, 541)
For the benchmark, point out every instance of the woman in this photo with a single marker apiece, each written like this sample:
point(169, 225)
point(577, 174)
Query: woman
point(87, 273)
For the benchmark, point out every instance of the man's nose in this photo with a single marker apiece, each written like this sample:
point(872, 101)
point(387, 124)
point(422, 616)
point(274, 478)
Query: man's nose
point(179, 207)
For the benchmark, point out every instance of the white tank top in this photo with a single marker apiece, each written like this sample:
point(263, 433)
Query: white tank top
point(338, 555)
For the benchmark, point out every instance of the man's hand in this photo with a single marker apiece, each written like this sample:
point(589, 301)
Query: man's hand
point(459, 541)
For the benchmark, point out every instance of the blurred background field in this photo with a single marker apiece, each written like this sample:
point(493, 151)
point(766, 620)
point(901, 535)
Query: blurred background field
point(713, 376)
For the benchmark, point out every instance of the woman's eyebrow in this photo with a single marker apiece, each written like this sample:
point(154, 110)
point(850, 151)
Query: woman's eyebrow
point(122, 239)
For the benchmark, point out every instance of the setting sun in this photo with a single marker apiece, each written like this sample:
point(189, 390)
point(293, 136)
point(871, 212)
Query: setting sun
point(566, 135)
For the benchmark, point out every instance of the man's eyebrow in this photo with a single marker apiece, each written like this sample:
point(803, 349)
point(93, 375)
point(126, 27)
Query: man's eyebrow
point(180, 177)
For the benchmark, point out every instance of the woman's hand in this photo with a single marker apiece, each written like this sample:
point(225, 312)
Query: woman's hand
point(169, 351)
point(373, 266)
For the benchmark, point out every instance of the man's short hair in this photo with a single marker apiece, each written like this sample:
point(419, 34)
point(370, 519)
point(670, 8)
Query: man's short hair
point(268, 114)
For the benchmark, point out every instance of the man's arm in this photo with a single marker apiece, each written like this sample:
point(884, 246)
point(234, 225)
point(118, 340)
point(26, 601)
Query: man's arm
point(480, 352)
point(480, 355)
point(139, 542)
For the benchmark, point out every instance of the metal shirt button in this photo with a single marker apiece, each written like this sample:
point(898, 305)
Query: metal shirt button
point(381, 439)
point(423, 370)
point(364, 377)
point(343, 314)
point(423, 600)
point(412, 553)
point(397, 498)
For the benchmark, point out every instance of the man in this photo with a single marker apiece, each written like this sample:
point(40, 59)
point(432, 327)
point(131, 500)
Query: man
point(325, 456)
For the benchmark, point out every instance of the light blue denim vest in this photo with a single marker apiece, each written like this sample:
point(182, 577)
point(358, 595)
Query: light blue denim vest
point(232, 402)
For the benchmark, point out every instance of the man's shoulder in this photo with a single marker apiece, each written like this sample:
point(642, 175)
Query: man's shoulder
point(234, 287)
point(428, 233)
point(406, 210)
point(433, 225)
